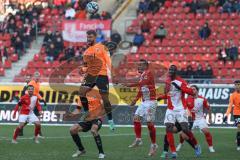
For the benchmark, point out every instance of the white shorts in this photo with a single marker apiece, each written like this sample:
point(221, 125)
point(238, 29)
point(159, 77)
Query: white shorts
point(173, 116)
point(31, 118)
point(147, 110)
point(200, 123)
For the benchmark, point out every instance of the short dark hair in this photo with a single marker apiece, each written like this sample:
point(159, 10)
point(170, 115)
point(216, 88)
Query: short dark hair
point(93, 32)
point(30, 86)
point(195, 86)
point(144, 61)
point(237, 81)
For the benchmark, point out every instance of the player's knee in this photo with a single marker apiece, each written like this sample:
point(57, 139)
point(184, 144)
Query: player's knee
point(82, 92)
point(185, 129)
point(73, 130)
point(37, 124)
point(150, 123)
point(94, 132)
point(136, 118)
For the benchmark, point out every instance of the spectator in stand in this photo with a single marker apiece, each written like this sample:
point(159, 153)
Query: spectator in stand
point(181, 72)
point(233, 51)
point(222, 54)
point(68, 54)
point(116, 37)
point(142, 6)
point(95, 16)
point(203, 6)
point(205, 32)
point(81, 14)
point(52, 53)
point(106, 15)
point(153, 6)
point(208, 73)
point(100, 36)
point(227, 7)
point(26, 33)
point(70, 12)
point(194, 6)
point(199, 73)
point(138, 39)
point(78, 53)
point(19, 48)
point(237, 6)
point(59, 44)
point(220, 2)
point(145, 25)
point(189, 72)
point(48, 38)
point(161, 2)
point(22, 12)
point(3, 53)
point(161, 33)
point(57, 35)
point(11, 26)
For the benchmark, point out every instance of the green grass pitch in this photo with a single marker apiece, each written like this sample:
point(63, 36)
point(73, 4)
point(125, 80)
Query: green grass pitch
point(58, 145)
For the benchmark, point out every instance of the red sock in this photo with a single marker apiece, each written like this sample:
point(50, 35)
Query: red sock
point(138, 129)
point(37, 130)
point(208, 137)
point(152, 132)
point(192, 138)
point(181, 139)
point(171, 142)
point(16, 132)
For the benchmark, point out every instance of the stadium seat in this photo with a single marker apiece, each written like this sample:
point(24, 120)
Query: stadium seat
point(14, 57)
point(2, 71)
point(7, 64)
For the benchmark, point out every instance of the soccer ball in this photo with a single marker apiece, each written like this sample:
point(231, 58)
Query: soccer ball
point(92, 7)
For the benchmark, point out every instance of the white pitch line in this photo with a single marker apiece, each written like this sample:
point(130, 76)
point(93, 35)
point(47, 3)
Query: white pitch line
point(68, 137)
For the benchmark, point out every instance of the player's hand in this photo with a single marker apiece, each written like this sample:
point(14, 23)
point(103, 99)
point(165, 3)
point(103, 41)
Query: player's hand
point(225, 119)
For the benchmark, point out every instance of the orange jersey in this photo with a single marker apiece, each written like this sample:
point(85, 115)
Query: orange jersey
point(36, 86)
point(97, 60)
point(95, 107)
point(234, 103)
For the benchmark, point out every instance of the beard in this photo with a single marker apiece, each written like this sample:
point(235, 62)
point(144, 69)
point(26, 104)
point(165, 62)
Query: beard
point(90, 43)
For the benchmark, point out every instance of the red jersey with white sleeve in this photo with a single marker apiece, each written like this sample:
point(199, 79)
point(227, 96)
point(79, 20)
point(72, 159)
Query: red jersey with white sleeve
point(197, 106)
point(175, 91)
point(27, 104)
point(146, 86)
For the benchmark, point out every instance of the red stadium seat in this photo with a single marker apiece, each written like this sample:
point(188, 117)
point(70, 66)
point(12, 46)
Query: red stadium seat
point(7, 64)
point(229, 64)
point(14, 57)
point(2, 72)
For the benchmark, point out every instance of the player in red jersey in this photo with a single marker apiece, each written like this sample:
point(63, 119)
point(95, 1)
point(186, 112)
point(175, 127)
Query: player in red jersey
point(146, 110)
point(175, 91)
point(27, 104)
point(196, 105)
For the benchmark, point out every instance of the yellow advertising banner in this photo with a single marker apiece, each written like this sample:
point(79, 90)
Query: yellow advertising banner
point(68, 93)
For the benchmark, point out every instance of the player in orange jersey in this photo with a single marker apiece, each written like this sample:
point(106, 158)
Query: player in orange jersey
point(36, 84)
point(234, 104)
point(93, 123)
point(96, 62)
